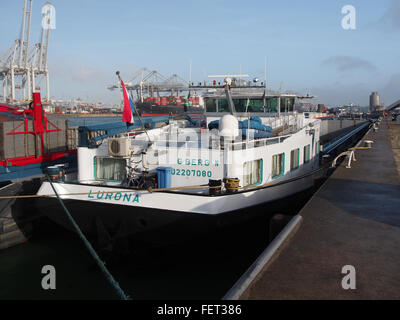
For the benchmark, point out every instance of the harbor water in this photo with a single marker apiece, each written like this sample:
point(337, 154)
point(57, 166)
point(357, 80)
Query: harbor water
point(205, 267)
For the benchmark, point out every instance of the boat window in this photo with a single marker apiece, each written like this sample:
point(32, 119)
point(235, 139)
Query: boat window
point(317, 147)
point(278, 165)
point(211, 105)
point(287, 104)
point(256, 105)
point(294, 159)
point(223, 105)
point(240, 104)
point(249, 105)
point(271, 105)
point(110, 169)
point(306, 153)
point(252, 172)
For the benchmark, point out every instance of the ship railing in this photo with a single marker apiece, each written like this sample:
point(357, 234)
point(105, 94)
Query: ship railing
point(255, 143)
point(216, 143)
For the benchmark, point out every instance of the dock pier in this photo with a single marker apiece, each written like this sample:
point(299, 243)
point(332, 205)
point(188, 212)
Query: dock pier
point(10, 234)
point(17, 215)
point(353, 220)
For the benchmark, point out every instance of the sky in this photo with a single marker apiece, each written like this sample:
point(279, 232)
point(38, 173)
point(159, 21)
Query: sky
point(306, 48)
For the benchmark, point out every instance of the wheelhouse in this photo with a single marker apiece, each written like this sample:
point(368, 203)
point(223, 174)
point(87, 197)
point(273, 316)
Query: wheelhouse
point(267, 104)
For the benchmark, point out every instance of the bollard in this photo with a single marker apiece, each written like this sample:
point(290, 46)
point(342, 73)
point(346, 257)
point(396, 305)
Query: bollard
point(326, 158)
point(368, 143)
point(352, 157)
point(231, 184)
point(215, 187)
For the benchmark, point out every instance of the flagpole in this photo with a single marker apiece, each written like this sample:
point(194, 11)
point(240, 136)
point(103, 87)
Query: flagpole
point(137, 113)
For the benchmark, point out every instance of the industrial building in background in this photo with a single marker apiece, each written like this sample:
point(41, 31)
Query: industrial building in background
point(375, 102)
point(20, 66)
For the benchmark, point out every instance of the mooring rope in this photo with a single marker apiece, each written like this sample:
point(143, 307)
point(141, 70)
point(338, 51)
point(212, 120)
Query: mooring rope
point(151, 190)
point(359, 148)
point(94, 254)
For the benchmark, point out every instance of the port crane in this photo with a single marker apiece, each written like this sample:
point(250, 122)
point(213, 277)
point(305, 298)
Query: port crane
point(20, 67)
point(151, 82)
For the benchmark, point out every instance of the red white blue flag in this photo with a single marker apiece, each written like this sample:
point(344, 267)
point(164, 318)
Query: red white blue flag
point(129, 107)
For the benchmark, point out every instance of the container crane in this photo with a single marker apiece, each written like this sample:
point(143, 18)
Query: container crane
point(146, 82)
point(38, 59)
point(19, 67)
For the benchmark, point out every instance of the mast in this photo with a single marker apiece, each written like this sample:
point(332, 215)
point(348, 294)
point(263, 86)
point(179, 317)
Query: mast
point(190, 71)
point(29, 13)
point(229, 96)
point(22, 38)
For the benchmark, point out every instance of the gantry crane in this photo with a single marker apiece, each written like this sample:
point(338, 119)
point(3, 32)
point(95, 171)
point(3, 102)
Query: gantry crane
point(146, 82)
point(20, 68)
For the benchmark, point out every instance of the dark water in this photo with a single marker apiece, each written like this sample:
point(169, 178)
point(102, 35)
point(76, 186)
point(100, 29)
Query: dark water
point(195, 271)
point(201, 268)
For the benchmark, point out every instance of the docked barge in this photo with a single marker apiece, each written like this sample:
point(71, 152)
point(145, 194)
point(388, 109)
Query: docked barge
point(185, 174)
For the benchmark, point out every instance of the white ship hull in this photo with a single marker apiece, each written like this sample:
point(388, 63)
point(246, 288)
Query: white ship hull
point(180, 202)
point(163, 217)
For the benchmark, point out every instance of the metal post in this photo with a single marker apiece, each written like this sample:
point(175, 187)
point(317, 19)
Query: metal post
point(279, 106)
point(240, 78)
point(141, 91)
point(47, 85)
point(350, 155)
point(5, 88)
point(21, 40)
point(190, 71)
point(12, 84)
point(229, 98)
point(141, 86)
point(41, 51)
point(28, 79)
point(23, 87)
point(265, 72)
point(33, 80)
point(46, 48)
point(28, 34)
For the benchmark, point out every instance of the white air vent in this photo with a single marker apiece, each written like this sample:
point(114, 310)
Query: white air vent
point(119, 147)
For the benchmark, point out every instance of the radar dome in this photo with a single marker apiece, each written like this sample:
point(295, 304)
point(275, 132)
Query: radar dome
point(229, 126)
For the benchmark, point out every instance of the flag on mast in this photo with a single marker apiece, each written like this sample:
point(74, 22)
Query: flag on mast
point(129, 107)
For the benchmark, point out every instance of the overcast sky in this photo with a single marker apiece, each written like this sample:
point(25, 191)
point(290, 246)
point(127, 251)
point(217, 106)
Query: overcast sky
point(306, 47)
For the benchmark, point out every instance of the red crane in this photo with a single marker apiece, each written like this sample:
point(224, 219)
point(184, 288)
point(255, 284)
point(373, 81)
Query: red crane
point(41, 125)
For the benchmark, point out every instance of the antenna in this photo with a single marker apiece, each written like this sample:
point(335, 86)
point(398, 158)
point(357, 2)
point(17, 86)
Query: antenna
point(265, 71)
point(190, 70)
